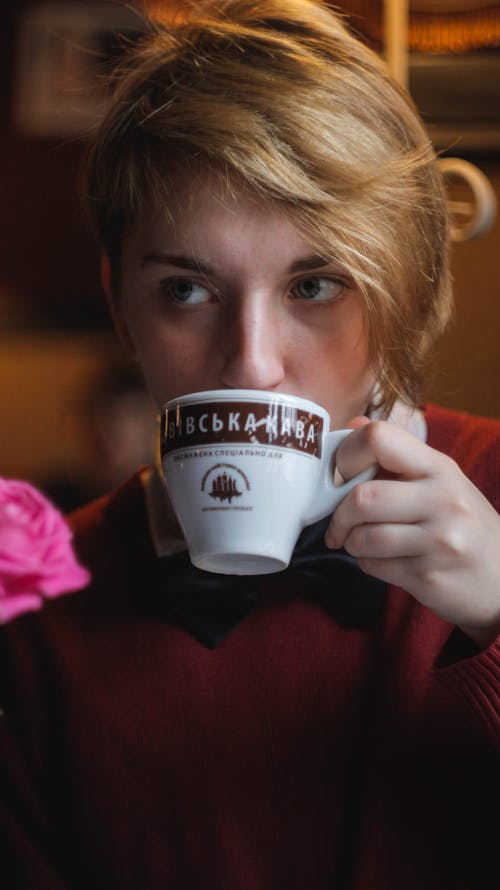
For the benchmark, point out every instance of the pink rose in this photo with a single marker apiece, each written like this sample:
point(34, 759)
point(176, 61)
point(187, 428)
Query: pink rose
point(37, 560)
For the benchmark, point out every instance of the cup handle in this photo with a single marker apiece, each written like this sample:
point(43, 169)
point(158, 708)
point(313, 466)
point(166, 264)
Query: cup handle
point(327, 494)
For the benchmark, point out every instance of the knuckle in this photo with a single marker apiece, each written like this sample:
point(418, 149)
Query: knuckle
point(356, 542)
point(448, 464)
point(458, 508)
point(375, 432)
point(363, 496)
point(451, 473)
point(428, 579)
point(452, 543)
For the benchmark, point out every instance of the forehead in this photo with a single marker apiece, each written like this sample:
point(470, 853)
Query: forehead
point(204, 211)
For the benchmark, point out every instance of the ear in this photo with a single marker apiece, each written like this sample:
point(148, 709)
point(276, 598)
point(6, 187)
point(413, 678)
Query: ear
point(114, 306)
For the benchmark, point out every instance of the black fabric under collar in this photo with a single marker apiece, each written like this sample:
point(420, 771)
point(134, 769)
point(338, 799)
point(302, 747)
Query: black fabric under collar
point(210, 605)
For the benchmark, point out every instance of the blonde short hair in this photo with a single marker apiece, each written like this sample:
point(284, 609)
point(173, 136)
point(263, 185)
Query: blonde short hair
point(281, 94)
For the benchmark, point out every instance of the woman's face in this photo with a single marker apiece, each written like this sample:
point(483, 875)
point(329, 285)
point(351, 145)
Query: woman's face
point(224, 292)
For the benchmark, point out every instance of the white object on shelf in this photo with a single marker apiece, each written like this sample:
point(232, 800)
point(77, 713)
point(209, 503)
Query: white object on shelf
point(470, 219)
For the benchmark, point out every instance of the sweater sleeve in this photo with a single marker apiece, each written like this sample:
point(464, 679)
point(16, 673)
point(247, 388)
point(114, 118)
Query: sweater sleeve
point(473, 685)
point(466, 678)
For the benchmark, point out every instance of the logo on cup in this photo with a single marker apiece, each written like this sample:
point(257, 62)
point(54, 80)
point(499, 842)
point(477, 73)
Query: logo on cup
point(224, 488)
point(225, 482)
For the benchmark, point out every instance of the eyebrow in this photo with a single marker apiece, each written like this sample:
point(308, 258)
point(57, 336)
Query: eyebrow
point(193, 264)
point(311, 262)
point(181, 262)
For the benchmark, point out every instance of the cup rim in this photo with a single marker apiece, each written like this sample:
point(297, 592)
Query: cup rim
point(246, 395)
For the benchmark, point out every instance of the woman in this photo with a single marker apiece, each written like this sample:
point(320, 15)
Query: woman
point(272, 217)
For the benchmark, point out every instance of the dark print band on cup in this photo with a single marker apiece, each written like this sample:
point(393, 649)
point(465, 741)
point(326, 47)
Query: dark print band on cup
point(248, 423)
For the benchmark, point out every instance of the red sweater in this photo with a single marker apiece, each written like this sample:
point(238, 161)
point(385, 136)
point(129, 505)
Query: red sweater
point(298, 755)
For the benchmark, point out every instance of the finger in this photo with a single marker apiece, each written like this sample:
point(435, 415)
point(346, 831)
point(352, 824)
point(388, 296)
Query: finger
point(379, 501)
point(387, 541)
point(390, 446)
point(355, 422)
point(398, 572)
point(352, 424)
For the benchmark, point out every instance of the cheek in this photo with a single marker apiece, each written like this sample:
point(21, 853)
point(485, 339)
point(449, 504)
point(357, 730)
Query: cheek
point(342, 365)
point(345, 349)
point(172, 363)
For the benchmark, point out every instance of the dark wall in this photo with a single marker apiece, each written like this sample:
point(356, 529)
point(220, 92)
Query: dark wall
point(48, 264)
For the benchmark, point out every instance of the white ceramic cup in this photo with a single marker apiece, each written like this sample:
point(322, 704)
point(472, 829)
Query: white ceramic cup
point(246, 470)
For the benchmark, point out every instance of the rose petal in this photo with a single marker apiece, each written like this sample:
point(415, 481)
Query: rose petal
point(73, 578)
point(36, 554)
point(10, 608)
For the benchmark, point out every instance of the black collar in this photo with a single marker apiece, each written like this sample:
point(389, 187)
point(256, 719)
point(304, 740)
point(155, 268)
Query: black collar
point(210, 605)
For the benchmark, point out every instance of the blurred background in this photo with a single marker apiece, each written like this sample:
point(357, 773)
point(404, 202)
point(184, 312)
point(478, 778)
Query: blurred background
point(74, 416)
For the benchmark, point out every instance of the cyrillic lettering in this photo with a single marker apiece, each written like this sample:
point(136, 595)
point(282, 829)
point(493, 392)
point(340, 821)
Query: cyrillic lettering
point(271, 425)
point(250, 423)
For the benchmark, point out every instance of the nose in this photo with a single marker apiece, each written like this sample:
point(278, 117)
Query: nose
point(253, 349)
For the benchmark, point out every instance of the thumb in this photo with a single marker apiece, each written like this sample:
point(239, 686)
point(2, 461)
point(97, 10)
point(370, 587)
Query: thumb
point(355, 422)
point(353, 455)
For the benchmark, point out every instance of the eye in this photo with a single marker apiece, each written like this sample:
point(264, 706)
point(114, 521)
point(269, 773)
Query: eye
point(316, 289)
point(186, 291)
